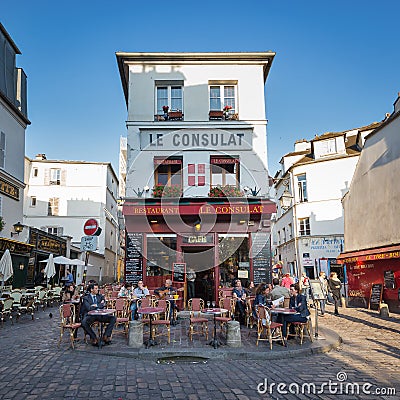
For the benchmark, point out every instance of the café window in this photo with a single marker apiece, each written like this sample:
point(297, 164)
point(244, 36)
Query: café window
point(223, 95)
point(304, 227)
point(168, 171)
point(224, 171)
point(161, 254)
point(233, 251)
point(169, 93)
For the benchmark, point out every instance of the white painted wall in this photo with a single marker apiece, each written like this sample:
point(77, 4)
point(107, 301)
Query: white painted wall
point(87, 190)
point(372, 206)
point(141, 111)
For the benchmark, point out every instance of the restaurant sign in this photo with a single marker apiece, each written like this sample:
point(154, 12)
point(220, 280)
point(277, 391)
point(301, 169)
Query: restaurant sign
point(198, 239)
point(243, 209)
point(47, 243)
point(371, 257)
point(9, 189)
point(14, 247)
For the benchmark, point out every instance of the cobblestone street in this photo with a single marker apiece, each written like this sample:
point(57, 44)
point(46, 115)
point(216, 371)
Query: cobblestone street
point(33, 367)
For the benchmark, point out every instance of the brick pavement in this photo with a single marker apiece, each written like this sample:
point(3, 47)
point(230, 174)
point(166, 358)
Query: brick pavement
point(33, 367)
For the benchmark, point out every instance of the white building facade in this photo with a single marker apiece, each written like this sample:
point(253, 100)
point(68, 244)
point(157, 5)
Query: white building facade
point(61, 196)
point(196, 122)
point(308, 231)
point(13, 123)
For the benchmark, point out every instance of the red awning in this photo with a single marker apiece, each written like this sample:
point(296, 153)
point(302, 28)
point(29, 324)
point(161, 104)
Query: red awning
point(374, 254)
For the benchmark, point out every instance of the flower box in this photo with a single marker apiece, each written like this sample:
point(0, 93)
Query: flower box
point(216, 114)
point(175, 115)
point(167, 191)
point(225, 191)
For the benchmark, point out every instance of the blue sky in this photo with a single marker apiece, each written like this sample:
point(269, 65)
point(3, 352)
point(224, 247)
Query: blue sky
point(336, 64)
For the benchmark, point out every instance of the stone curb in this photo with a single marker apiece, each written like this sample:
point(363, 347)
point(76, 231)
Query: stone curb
point(331, 341)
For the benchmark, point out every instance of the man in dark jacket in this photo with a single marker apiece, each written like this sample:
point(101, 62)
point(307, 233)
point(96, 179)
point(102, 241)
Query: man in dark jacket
point(96, 301)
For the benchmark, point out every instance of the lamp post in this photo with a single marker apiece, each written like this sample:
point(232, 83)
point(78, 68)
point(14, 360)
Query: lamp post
point(286, 200)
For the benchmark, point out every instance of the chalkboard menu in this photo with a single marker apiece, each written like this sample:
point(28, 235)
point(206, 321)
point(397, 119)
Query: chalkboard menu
point(376, 296)
point(179, 272)
point(134, 258)
point(389, 280)
point(261, 255)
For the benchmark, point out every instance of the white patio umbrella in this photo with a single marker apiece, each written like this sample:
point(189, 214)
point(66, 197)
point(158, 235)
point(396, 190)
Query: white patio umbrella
point(67, 261)
point(50, 269)
point(6, 268)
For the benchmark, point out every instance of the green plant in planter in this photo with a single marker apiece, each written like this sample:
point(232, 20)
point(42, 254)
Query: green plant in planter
point(167, 191)
point(225, 191)
point(2, 223)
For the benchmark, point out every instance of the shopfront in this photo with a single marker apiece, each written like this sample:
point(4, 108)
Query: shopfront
point(20, 256)
point(220, 240)
point(44, 244)
point(373, 266)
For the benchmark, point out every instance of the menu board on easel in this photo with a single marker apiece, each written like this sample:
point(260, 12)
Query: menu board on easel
point(179, 272)
point(376, 296)
point(134, 258)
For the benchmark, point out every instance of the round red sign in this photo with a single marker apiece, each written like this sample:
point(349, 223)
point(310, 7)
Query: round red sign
point(90, 227)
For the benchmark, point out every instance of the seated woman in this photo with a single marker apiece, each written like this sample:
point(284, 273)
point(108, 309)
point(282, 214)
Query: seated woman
point(70, 293)
point(126, 290)
point(297, 302)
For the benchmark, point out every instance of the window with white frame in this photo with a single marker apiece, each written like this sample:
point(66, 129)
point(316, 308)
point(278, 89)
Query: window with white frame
point(55, 176)
point(35, 172)
point(290, 231)
point(55, 230)
point(170, 95)
point(33, 201)
point(304, 227)
point(53, 206)
point(328, 146)
point(224, 171)
point(302, 186)
point(222, 96)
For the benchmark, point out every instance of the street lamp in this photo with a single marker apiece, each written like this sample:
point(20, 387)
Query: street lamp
point(286, 200)
point(18, 228)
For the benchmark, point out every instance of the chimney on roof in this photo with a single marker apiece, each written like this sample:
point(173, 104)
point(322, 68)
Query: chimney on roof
point(41, 156)
point(302, 145)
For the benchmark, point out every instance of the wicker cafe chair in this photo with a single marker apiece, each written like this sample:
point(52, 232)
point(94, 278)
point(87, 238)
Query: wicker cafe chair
point(266, 329)
point(143, 303)
point(196, 306)
point(249, 312)
point(67, 316)
point(6, 310)
point(228, 303)
point(27, 306)
point(162, 319)
point(301, 330)
point(122, 314)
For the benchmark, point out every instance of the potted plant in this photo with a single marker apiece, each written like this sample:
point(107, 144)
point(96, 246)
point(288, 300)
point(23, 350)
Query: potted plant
point(167, 191)
point(227, 110)
point(225, 191)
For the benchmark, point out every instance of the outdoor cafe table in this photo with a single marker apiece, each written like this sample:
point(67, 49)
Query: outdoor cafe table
point(281, 310)
point(215, 311)
point(101, 312)
point(150, 311)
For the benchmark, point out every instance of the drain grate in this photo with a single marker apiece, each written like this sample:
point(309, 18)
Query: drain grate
point(182, 359)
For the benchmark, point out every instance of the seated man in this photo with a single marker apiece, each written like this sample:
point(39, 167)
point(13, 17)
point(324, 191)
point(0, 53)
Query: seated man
point(239, 294)
point(299, 303)
point(95, 301)
point(168, 290)
point(138, 293)
point(278, 291)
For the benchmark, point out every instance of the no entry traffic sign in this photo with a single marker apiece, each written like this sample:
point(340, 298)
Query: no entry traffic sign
point(90, 227)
